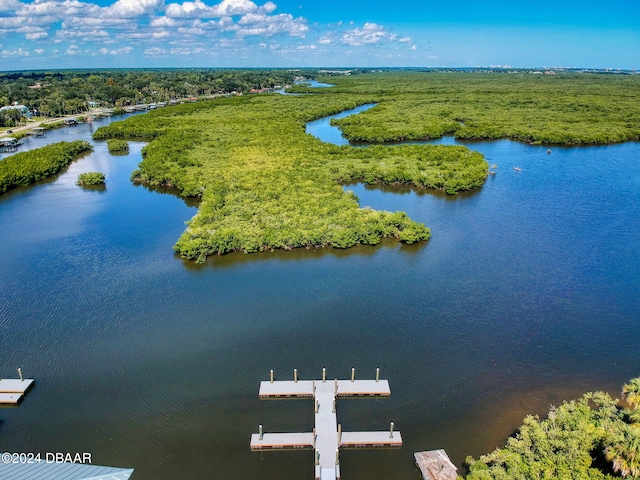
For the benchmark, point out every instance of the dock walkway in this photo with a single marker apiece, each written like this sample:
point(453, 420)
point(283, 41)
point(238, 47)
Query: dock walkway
point(327, 437)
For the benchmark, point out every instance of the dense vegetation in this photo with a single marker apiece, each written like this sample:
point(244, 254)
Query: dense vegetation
point(550, 109)
point(28, 167)
point(63, 92)
point(266, 184)
point(90, 178)
point(115, 145)
point(590, 438)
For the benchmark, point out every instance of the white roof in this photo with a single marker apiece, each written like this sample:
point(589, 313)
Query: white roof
point(61, 471)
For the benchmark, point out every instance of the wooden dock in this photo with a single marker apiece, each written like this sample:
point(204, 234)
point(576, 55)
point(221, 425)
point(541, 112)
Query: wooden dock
point(435, 465)
point(327, 437)
point(12, 390)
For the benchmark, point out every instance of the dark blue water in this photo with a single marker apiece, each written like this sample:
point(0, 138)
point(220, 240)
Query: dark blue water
point(525, 295)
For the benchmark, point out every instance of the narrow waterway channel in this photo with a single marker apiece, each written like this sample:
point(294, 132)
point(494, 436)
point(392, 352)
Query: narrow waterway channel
point(526, 295)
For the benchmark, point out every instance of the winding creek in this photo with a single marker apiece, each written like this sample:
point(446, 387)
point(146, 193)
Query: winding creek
point(526, 295)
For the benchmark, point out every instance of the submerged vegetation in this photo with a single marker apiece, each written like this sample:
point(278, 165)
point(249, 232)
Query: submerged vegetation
point(90, 178)
point(591, 438)
point(28, 167)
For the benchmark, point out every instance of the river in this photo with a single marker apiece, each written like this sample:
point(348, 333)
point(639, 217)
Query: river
point(526, 295)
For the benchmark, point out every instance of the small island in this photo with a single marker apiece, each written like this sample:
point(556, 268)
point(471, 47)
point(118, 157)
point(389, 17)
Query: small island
point(90, 178)
point(115, 145)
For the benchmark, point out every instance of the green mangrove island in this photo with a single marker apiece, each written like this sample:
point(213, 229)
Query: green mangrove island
point(266, 184)
point(25, 168)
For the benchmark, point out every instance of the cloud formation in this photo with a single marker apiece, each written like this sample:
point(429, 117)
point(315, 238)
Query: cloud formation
point(156, 28)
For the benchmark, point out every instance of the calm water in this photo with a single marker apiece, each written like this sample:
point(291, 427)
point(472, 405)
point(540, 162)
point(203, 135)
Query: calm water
point(527, 294)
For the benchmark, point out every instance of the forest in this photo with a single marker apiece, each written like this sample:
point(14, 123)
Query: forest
point(54, 93)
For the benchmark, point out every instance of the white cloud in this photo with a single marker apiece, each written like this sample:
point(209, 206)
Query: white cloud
point(186, 51)
point(117, 51)
point(370, 34)
point(268, 25)
point(191, 31)
point(9, 5)
point(133, 8)
point(11, 24)
point(235, 7)
point(73, 50)
point(195, 9)
point(57, 9)
point(38, 51)
point(154, 51)
point(405, 40)
point(18, 52)
point(100, 21)
point(84, 35)
point(199, 9)
point(36, 35)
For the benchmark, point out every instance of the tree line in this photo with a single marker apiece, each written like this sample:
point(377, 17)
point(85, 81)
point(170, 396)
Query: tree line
point(53, 93)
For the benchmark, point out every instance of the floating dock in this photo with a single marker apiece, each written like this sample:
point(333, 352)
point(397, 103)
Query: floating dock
point(435, 465)
point(12, 390)
point(327, 437)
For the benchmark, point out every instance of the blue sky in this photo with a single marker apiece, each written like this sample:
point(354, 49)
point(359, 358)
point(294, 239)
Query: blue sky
point(325, 33)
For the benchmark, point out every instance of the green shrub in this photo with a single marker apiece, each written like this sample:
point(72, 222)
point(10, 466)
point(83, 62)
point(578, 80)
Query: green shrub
point(90, 178)
point(115, 145)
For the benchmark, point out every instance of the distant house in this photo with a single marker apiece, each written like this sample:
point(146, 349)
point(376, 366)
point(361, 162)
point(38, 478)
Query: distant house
point(24, 111)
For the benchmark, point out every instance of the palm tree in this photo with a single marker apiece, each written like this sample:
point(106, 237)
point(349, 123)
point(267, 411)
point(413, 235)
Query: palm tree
point(625, 452)
point(631, 392)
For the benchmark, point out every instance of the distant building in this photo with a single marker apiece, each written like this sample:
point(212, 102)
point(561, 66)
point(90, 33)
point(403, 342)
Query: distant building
point(24, 111)
point(46, 470)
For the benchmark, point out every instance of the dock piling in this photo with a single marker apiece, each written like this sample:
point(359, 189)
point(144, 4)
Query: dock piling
point(337, 456)
point(391, 430)
point(20, 374)
point(260, 432)
point(295, 375)
point(353, 375)
point(377, 374)
point(315, 405)
point(324, 375)
point(317, 457)
point(335, 387)
point(271, 376)
point(339, 434)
